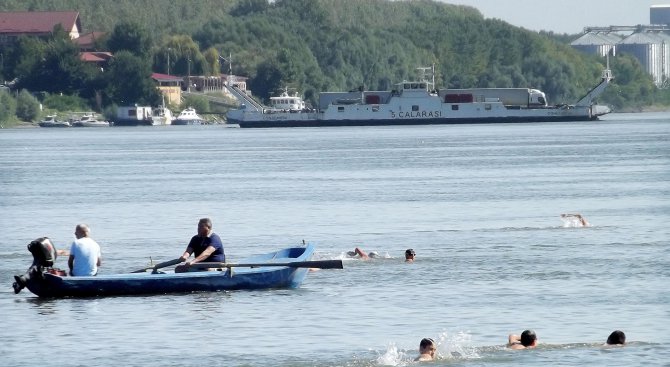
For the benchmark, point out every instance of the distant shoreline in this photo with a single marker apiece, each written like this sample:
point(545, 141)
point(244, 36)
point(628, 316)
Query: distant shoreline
point(649, 109)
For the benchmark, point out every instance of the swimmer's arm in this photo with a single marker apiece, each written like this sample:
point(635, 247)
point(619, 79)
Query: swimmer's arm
point(513, 339)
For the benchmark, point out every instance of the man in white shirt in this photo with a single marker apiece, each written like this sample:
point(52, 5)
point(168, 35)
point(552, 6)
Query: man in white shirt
point(85, 255)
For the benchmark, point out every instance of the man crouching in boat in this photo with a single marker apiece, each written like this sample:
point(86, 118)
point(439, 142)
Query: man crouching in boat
point(206, 246)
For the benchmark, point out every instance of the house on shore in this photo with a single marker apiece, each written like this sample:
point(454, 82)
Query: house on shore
point(37, 23)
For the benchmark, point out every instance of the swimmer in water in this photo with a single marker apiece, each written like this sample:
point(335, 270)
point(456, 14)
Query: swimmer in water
point(576, 219)
point(362, 254)
point(410, 254)
point(527, 340)
point(617, 338)
point(427, 350)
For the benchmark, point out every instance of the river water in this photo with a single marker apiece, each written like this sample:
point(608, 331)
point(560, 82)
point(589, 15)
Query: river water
point(480, 204)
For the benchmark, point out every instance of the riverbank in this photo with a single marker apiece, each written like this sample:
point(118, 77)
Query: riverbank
point(17, 125)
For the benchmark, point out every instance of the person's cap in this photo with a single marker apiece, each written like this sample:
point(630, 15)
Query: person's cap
point(351, 253)
point(373, 254)
point(410, 252)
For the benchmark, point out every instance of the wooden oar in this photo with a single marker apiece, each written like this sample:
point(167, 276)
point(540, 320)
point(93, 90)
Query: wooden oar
point(319, 264)
point(159, 265)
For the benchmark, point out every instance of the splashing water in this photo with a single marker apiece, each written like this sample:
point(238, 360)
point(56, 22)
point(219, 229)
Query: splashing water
point(393, 357)
point(457, 346)
point(574, 221)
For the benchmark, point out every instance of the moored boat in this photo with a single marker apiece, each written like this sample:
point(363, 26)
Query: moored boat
point(162, 116)
point(419, 103)
point(188, 117)
point(285, 268)
point(89, 120)
point(51, 121)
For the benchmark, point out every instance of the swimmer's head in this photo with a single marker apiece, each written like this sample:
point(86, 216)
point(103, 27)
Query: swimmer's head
point(427, 344)
point(528, 338)
point(617, 338)
point(373, 254)
point(351, 253)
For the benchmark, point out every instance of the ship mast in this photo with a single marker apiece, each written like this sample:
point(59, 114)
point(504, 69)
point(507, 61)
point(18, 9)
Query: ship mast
point(423, 73)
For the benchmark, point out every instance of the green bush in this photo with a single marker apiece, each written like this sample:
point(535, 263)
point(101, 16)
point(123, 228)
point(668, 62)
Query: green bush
point(201, 104)
point(61, 102)
point(7, 106)
point(27, 106)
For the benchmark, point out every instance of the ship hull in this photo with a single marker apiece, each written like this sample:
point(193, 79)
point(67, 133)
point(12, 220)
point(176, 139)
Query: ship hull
point(393, 122)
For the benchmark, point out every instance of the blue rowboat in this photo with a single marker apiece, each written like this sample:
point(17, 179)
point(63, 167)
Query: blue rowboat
point(285, 268)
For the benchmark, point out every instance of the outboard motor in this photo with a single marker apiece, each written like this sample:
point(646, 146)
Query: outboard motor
point(44, 252)
point(44, 256)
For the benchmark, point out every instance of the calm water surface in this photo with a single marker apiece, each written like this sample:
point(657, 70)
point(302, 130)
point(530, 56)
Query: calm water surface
point(479, 204)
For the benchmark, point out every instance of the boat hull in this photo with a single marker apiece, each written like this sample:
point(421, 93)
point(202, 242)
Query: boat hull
point(54, 124)
point(235, 278)
point(132, 123)
point(392, 122)
point(188, 122)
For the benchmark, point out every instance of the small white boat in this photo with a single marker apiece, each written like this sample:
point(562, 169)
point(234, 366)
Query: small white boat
point(162, 116)
point(90, 121)
point(188, 117)
point(51, 121)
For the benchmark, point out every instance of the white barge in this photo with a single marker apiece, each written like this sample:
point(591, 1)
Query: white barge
point(418, 103)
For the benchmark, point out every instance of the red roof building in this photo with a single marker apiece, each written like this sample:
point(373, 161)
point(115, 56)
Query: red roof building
point(37, 23)
point(97, 57)
point(87, 42)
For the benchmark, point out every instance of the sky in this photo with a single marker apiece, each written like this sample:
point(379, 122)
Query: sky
point(564, 16)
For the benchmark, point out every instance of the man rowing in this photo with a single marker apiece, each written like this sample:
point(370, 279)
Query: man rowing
point(206, 246)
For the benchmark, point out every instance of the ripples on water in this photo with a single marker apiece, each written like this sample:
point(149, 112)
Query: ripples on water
point(479, 204)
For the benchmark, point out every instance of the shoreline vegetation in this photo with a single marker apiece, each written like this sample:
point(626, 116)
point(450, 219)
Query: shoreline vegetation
point(310, 46)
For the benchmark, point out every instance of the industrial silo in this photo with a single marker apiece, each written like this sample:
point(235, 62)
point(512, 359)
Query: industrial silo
point(665, 58)
point(649, 50)
point(596, 43)
point(659, 14)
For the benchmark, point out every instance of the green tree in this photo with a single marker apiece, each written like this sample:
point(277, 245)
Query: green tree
point(129, 81)
point(53, 67)
point(199, 103)
point(185, 57)
point(21, 58)
point(246, 7)
point(7, 106)
point(27, 106)
point(130, 36)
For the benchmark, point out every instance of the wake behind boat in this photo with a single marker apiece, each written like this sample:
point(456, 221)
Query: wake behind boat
point(286, 268)
point(418, 103)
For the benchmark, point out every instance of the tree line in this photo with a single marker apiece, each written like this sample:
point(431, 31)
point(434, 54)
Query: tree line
point(309, 45)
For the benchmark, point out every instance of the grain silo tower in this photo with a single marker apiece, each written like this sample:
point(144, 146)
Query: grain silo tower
point(651, 50)
point(659, 14)
point(597, 43)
